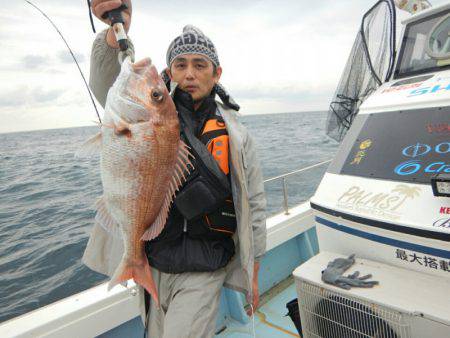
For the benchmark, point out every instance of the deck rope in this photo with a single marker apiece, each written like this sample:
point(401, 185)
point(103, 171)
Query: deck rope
point(262, 318)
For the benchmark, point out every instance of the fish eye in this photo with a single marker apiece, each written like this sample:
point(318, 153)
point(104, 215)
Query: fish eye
point(156, 96)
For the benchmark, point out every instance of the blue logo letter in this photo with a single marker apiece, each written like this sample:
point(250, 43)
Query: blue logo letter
point(408, 168)
point(443, 148)
point(416, 150)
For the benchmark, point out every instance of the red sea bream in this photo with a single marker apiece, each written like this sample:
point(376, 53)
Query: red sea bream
point(143, 162)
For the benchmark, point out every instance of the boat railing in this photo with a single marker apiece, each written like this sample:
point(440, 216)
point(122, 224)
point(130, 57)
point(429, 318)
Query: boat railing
point(289, 174)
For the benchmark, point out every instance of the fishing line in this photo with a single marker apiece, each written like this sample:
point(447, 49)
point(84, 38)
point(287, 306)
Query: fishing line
point(73, 56)
point(90, 16)
point(253, 321)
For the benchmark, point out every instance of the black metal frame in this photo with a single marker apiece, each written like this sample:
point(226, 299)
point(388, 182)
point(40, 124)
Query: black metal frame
point(350, 104)
point(391, 7)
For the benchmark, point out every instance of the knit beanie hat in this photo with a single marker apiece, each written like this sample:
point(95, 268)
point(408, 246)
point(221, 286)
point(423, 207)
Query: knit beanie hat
point(192, 41)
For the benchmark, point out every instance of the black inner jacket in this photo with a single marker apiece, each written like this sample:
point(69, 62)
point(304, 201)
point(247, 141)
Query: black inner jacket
point(176, 250)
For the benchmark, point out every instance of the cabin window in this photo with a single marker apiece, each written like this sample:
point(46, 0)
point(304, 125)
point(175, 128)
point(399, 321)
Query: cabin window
point(425, 47)
point(438, 41)
point(410, 146)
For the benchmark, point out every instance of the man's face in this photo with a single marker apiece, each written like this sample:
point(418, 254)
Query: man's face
point(195, 74)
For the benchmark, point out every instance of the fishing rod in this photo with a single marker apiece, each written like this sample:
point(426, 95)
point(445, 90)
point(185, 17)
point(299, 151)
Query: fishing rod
point(73, 56)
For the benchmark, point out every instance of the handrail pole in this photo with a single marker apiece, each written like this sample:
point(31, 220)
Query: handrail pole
point(296, 171)
point(283, 177)
point(285, 203)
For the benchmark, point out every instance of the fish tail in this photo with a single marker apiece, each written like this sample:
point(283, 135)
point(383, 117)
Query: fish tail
point(138, 270)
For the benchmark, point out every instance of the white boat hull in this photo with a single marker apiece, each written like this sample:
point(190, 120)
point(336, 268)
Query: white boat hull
point(424, 255)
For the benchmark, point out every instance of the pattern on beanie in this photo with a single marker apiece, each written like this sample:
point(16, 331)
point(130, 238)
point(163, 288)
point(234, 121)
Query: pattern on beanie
point(192, 41)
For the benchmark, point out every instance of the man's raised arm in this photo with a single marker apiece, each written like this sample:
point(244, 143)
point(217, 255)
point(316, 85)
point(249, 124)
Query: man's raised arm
point(105, 65)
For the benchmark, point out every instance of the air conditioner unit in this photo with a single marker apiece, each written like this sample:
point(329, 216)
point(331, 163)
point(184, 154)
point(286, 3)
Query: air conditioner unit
point(405, 304)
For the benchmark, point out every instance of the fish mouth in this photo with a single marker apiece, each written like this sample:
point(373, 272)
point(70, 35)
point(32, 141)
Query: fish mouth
point(148, 71)
point(153, 74)
point(140, 66)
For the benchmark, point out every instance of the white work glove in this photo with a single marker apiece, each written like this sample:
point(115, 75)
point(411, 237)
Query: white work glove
point(412, 6)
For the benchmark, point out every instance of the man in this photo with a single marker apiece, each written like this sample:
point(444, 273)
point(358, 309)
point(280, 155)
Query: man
point(199, 250)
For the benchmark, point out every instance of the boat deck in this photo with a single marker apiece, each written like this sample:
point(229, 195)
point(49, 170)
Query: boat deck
point(270, 319)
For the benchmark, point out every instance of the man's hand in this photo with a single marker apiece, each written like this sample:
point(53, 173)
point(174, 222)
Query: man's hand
point(99, 7)
point(255, 300)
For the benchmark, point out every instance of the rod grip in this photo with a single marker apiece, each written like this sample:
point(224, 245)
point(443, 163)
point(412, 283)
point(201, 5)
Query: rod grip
point(115, 15)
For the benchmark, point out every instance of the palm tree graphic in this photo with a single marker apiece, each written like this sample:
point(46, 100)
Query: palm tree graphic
point(407, 192)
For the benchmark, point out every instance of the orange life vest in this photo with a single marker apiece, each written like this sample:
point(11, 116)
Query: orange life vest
point(215, 136)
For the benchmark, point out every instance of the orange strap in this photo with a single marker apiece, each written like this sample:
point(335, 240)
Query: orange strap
point(218, 145)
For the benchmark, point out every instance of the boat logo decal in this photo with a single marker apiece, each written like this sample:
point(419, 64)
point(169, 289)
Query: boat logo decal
point(421, 149)
point(416, 150)
point(444, 210)
point(384, 204)
point(428, 90)
point(362, 152)
point(442, 223)
point(439, 128)
point(400, 88)
point(412, 167)
point(425, 261)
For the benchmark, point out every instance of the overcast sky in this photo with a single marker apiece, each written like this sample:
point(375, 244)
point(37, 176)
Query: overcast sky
point(277, 55)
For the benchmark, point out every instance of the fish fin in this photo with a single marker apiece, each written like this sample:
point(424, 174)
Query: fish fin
point(180, 171)
point(91, 147)
point(139, 270)
point(122, 128)
point(104, 218)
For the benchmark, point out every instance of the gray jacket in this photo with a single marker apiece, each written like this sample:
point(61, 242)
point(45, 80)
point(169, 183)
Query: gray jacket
point(103, 251)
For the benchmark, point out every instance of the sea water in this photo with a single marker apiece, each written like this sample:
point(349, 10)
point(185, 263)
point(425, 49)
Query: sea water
point(47, 197)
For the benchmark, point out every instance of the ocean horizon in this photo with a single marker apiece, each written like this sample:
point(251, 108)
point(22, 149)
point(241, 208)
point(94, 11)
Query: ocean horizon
point(94, 125)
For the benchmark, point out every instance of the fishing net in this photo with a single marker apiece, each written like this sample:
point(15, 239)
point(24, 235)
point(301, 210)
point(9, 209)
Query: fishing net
point(371, 62)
